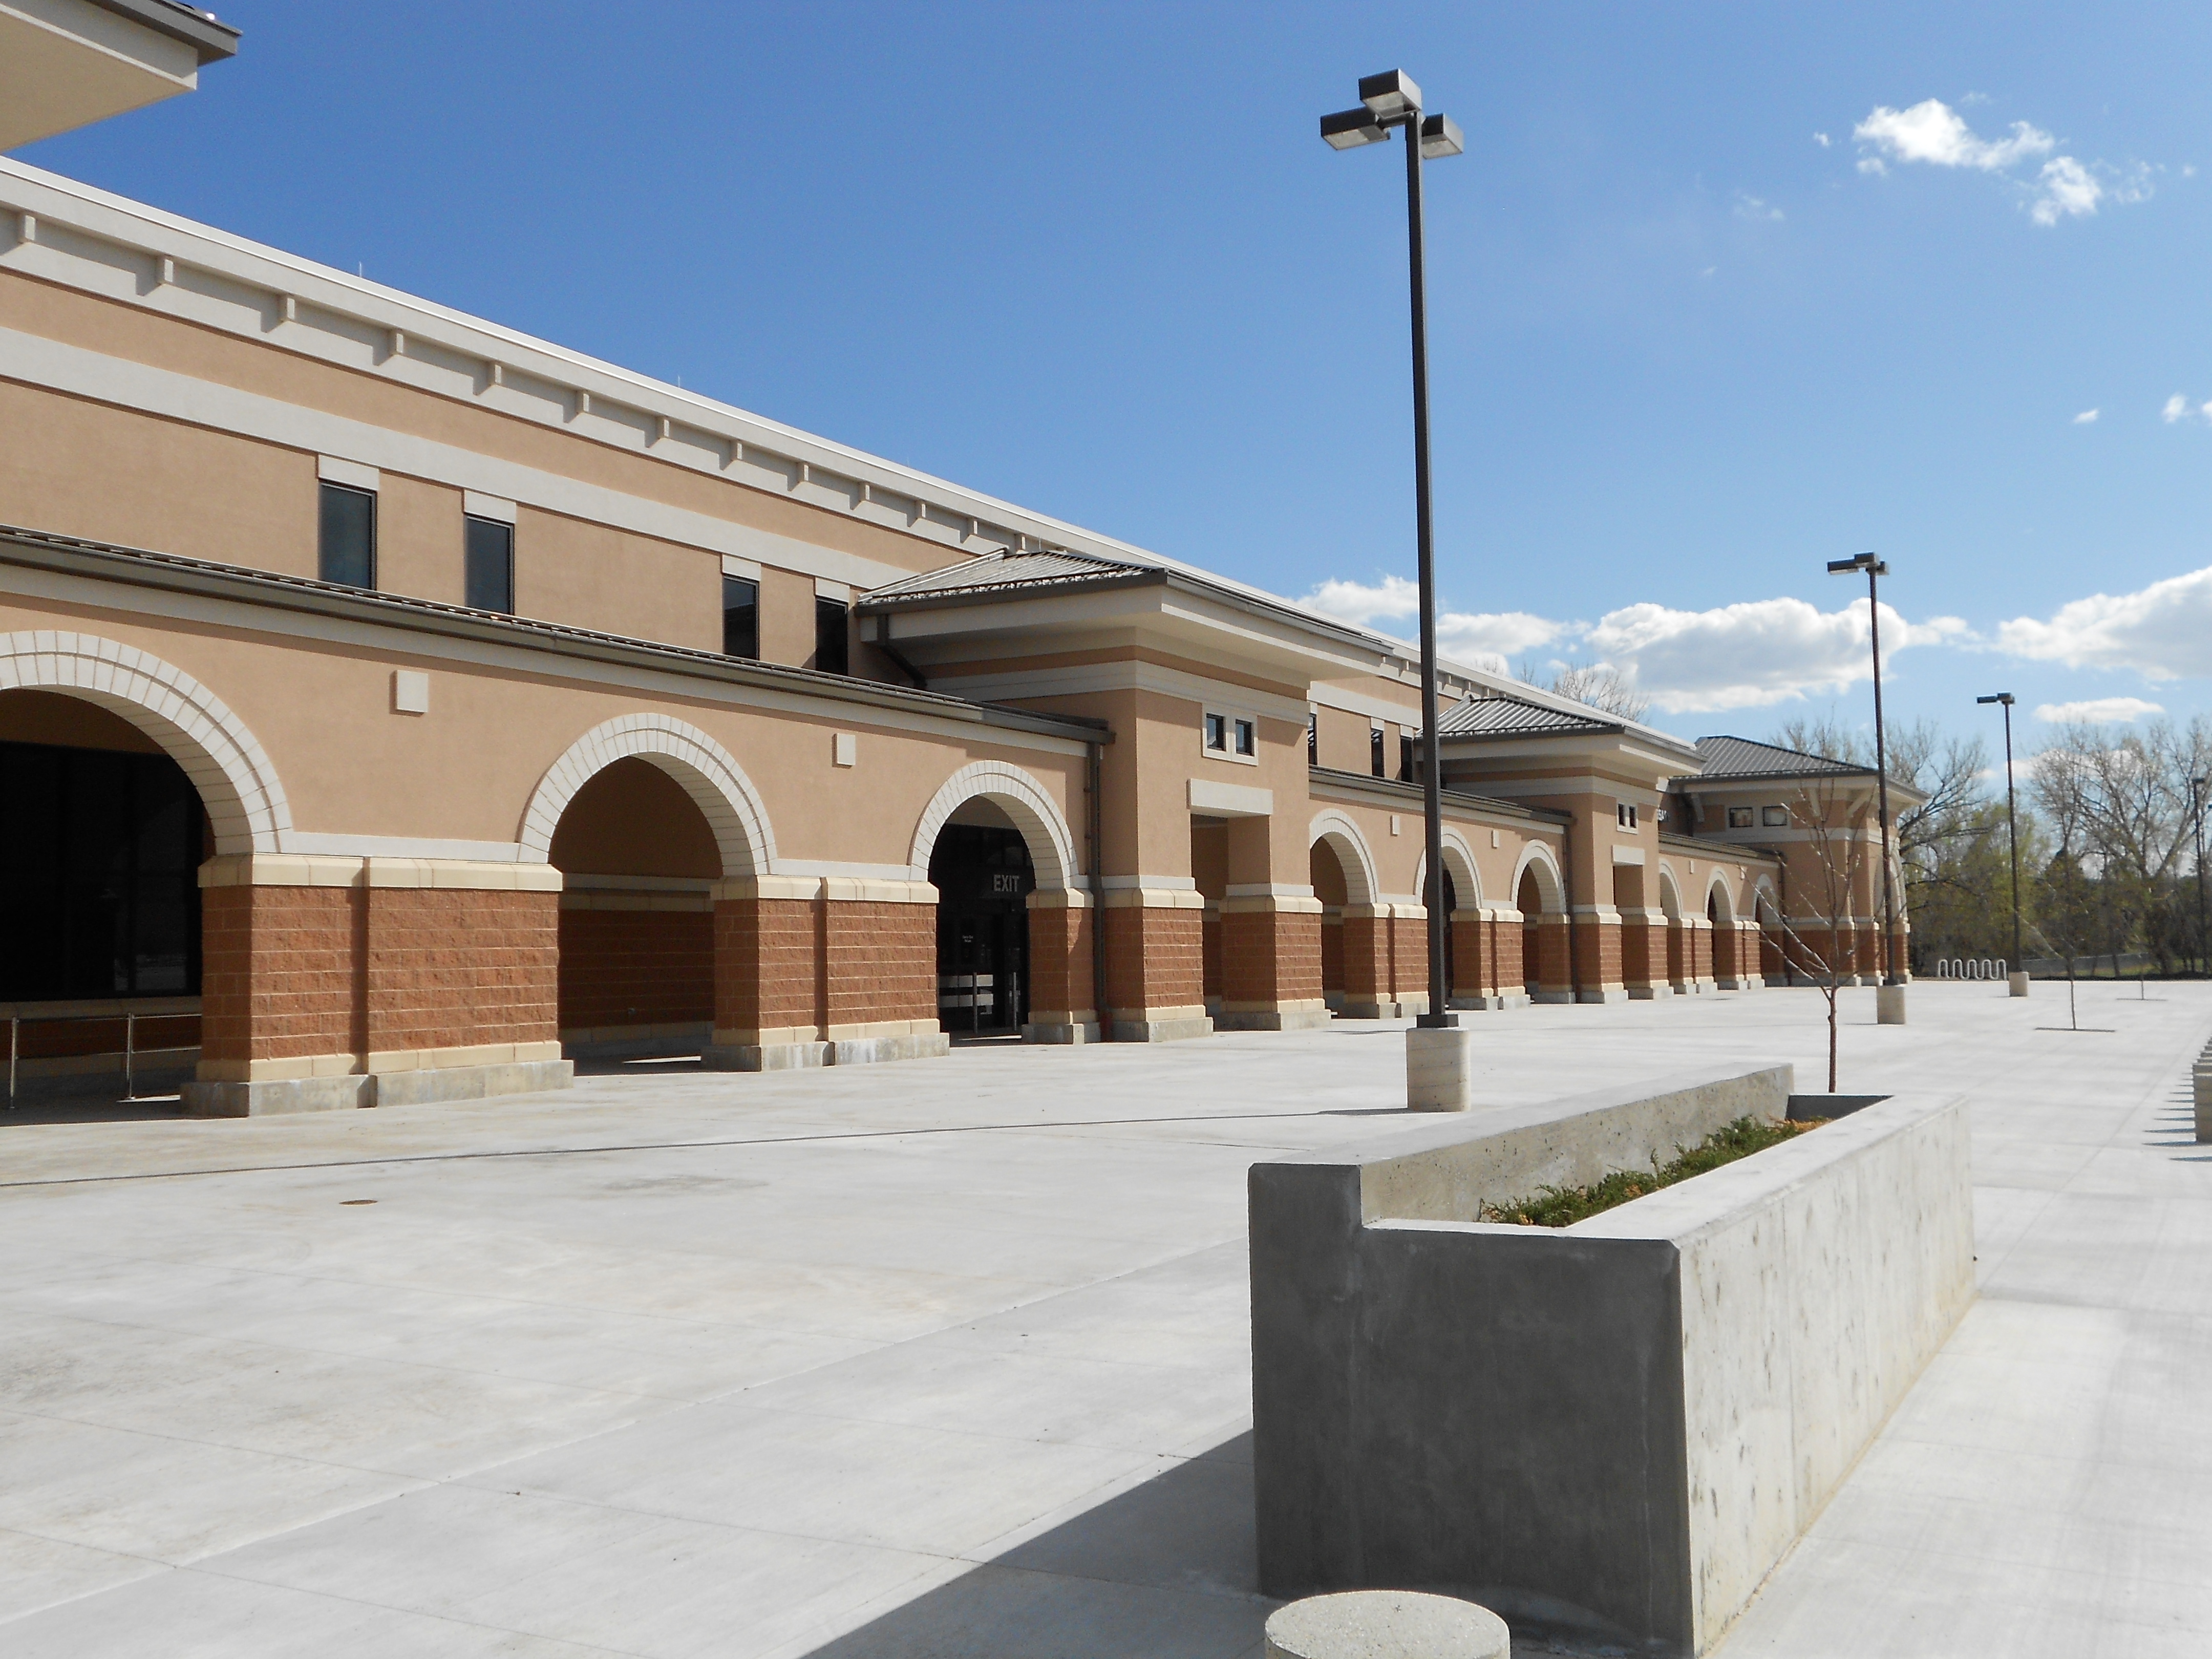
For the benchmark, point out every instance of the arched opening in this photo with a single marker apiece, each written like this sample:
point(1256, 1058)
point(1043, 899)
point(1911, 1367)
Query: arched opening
point(1332, 887)
point(1530, 902)
point(102, 833)
point(984, 873)
point(1679, 974)
point(639, 860)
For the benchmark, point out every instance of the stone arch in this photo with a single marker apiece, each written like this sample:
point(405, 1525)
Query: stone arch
point(1765, 904)
point(708, 772)
point(237, 783)
point(1670, 893)
point(1459, 864)
point(1551, 889)
point(1719, 900)
point(1023, 799)
point(1344, 839)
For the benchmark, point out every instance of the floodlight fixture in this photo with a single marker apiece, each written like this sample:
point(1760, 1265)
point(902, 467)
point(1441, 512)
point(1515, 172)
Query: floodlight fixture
point(1441, 136)
point(2004, 697)
point(1348, 128)
point(1852, 565)
point(1392, 94)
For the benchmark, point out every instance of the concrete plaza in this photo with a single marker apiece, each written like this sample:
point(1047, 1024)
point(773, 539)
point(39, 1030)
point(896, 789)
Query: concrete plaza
point(949, 1358)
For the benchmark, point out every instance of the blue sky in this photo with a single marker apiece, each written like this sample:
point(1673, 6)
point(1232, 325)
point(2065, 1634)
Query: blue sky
point(1719, 292)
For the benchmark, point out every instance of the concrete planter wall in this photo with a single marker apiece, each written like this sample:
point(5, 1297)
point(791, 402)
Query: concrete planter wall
point(1616, 1428)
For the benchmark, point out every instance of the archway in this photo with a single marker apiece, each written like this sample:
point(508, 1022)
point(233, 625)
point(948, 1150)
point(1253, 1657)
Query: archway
point(1681, 971)
point(1342, 874)
point(990, 840)
point(1538, 893)
point(1727, 941)
point(1463, 978)
point(642, 816)
point(119, 775)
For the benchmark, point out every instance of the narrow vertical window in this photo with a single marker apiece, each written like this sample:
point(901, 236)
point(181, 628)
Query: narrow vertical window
point(740, 617)
point(1404, 757)
point(1248, 737)
point(347, 552)
point(831, 655)
point(1216, 734)
point(487, 549)
point(1374, 750)
point(1313, 737)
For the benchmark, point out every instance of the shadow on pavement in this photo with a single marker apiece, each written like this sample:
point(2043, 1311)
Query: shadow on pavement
point(1165, 1571)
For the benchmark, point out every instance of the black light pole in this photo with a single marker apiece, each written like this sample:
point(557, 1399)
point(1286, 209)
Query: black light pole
point(1874, 569)
point(1386, 101)
point(2197, 802)
point(2012, 822)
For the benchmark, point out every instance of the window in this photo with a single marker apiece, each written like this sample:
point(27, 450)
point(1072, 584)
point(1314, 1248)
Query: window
point(1625, 814)
point(1774, 818)
point(488, 548)
point(1374, 750)
point(1404, 757)
point(740, 617)
point(1313, 737)
point(831, 655)
point(348, 537)
point(1216, 734)
point(1248, 737)
point(1739, 817)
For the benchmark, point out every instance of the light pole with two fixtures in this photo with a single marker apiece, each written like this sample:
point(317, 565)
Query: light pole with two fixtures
point(2016, 976)
point(1889, 997)
point(1437, 1073)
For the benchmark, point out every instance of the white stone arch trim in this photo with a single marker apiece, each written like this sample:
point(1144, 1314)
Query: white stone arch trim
point(1023, 799)
point(1670, 892)
point(1551, 886)
point(1718, 885)
point(1459, 866)
point(237, 782)
point(708, 773)
point(1361, 884)
point(1763, 892)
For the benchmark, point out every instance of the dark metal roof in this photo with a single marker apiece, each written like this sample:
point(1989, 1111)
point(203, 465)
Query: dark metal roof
point(177, 574)
point(197, 29)
point(1740, 757)
point(998, 573)
point(1497, 717)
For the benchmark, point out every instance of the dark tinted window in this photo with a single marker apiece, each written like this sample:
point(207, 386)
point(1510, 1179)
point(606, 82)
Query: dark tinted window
point(829, 636)
point(1313, 738)
point(740, 617)
point(348, 537)
point(488, 550)
point(99, 854)
point(1374, 750)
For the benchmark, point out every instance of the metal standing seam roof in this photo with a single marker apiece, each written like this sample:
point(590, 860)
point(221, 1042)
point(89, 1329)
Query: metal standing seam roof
point(1495, 717)
point(993, 573)
point(1740, 757)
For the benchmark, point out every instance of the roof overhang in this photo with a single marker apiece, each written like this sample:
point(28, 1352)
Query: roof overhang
point(67, 64)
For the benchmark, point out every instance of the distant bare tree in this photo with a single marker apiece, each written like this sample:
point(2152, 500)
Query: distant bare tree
point(1839, 859)
point(1601, 685)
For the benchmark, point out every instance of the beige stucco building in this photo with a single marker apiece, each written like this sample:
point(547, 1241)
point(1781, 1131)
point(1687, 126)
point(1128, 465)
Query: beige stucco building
point(393, 706)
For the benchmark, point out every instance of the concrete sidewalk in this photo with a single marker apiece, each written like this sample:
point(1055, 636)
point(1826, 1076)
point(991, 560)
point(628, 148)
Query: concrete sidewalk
point(950, 1357)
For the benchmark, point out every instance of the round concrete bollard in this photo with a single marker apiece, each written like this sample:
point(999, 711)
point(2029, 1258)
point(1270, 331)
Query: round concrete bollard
point(1386, 1625)
point(2018, 983)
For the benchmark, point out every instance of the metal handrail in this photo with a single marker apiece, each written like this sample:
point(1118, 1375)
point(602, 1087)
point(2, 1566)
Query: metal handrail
point(130, 1019)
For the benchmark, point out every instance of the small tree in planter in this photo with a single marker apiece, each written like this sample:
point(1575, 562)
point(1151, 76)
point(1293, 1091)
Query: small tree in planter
point(1838, 850)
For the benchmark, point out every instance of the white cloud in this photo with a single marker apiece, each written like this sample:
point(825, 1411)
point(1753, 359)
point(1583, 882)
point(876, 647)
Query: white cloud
point(2177, 408)
point(1748, 206)
point(2163, 631)
point(2087, 418)
point(1492, 639)
point(1356, 602)
point(1749, 655)
point(2097, 711)
point(1934, 132)
point(2068, 191)
point(1821, 139)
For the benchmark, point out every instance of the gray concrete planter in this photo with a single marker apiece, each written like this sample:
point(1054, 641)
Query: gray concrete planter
point(1616, 1428)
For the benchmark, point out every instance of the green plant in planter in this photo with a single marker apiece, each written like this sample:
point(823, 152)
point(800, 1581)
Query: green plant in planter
point(1562, 1206)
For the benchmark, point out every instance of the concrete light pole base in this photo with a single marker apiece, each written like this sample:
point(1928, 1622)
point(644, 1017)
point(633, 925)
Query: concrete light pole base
point(1439, 1069)
point(2018, 982)
point(1386, 1625)
point(1889, 1005)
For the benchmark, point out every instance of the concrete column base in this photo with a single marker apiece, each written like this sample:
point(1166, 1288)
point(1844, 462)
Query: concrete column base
point(870, 1051)
point(431, 1085)
point(1551, 996)
point(1161, 1030)
point(1889, 1005)
point(1439, 1069)
point(1271, 1019)
point(1616, 994)
point(1489, 1003)
point(2017, 984)
point(2202, 1078)
point(764, 1057)
point(1062, 1033)
point(1649, 992)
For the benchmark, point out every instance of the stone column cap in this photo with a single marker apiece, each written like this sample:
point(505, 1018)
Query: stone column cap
point(1386, 1625)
